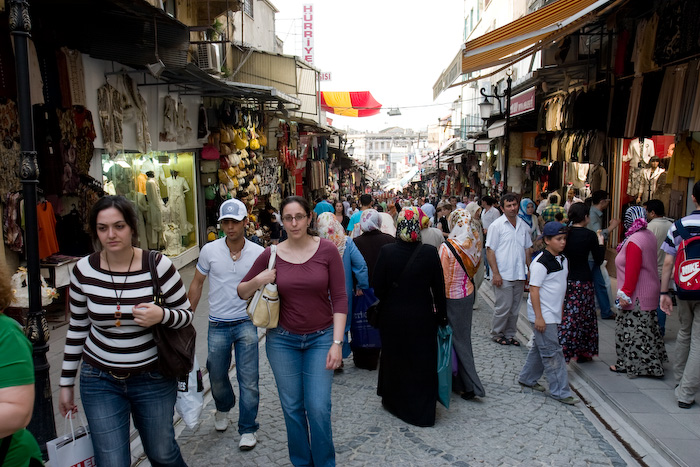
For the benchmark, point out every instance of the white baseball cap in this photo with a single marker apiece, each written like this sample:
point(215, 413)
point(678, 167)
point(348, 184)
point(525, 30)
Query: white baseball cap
point(232, 209)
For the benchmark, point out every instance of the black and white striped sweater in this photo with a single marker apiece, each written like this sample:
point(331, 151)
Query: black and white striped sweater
point(92, 333)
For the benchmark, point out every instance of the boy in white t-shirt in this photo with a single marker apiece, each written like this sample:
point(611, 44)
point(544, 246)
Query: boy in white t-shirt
point(548, 272)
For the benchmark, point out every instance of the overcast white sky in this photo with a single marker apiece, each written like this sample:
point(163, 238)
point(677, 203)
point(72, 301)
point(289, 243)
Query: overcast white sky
point(396, 49)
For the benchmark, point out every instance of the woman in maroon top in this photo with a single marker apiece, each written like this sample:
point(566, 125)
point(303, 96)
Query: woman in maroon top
point(306, 347)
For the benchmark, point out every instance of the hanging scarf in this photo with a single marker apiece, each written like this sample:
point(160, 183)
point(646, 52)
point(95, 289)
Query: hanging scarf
point(330, 229)
point(387, 224)
point(522, 213)
point(408, 225)
point(465, 238)
point(635, 220)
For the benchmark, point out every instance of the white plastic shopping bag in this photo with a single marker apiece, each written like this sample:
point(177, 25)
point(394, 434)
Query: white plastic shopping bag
point(74, 448)
point(189, 404)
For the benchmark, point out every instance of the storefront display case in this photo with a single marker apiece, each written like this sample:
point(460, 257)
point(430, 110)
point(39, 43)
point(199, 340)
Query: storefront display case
point(161, 187)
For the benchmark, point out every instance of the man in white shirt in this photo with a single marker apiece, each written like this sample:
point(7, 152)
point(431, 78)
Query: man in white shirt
point(659, 225)
point(428, 209)
point(489, 212)
point(508, 250)
point(226, 261)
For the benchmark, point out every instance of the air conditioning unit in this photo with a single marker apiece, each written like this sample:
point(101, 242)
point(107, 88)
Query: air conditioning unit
point(208, 57)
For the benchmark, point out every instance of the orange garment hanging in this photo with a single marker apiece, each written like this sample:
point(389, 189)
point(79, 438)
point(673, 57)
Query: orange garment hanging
point(46, 219)
point(141, 180)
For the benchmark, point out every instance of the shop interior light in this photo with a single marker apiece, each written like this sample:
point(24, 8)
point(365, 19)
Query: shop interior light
point(156, 69)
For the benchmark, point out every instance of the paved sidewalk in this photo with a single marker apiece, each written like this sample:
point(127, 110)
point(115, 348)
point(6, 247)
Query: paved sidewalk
point(643, 411)
point(510, 426)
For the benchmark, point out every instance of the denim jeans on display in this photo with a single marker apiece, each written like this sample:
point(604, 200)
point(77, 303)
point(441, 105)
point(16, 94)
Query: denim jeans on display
point(242, 337)
point(304, 385)
point(601, 291)
point(148, 397)
point(546, 357)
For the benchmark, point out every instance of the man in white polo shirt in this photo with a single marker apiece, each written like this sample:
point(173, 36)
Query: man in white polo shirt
point(226, 261)
point(508, 251)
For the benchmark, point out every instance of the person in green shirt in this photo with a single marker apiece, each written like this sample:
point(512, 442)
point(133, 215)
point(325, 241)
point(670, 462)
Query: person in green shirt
point(16, 387)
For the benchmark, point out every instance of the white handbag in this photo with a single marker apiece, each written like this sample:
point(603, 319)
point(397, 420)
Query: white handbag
point(264, 308)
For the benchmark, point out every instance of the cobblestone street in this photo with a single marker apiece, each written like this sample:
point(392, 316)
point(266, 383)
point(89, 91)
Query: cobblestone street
point(510, 426)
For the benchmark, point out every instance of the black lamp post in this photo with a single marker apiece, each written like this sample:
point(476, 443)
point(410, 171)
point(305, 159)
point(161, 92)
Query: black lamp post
point(485, 110)
point(42, 424)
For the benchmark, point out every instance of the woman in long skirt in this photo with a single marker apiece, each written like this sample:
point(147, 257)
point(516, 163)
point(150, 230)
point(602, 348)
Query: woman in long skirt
point(578, 331)
point(460, 256)
point(638, 342)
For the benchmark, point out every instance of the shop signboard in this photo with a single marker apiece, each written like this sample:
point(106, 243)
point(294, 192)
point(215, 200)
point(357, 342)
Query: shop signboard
point(457, 160)
point(530, 150)
point(523, 102)
point(307, 40)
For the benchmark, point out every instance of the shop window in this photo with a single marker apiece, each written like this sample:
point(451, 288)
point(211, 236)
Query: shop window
point(160, 186)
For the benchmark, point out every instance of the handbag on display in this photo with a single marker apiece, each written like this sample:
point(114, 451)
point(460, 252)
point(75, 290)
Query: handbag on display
point(74, 448)
point(175, 346)
point(264, 308)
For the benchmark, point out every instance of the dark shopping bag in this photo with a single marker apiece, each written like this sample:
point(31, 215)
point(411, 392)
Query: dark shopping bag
point(364, 336)
point(444, 364)
point(74, 448)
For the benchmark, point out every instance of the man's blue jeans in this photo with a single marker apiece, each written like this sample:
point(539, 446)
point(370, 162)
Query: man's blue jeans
point(546, 357)
point(601, 291)
point(242, 337)
point(148, 397)
point(298, 362)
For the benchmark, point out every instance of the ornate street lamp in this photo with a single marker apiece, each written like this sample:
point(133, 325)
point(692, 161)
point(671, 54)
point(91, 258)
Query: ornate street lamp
point(485, 108)
point(42, 424)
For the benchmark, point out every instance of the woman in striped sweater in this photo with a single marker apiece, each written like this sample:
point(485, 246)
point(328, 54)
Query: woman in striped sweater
point(112, 310)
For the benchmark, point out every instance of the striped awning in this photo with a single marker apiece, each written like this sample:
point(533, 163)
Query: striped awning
point(542, 26)
point(350, 104)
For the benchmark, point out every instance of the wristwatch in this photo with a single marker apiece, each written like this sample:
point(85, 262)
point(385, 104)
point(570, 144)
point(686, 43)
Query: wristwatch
point(340, 343)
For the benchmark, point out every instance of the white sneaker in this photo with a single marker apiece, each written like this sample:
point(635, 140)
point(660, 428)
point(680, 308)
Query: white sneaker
point(221, 421)
point(247, 442)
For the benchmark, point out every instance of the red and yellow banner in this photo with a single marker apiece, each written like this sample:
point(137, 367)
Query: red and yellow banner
point(350, 104)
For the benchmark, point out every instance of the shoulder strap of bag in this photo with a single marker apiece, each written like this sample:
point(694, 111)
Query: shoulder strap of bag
point(682, 231)
point(395, 284)
point(152, 267)
point(458, 258)
point(4, 447)
point(273, 256)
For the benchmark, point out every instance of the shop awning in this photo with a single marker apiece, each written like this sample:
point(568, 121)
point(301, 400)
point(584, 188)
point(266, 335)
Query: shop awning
point(482, 145)
point(542, 26)
point(193, 80)
point(406, 179)
point(469, 145)
point(497, 128)
point(350, 104)
point(448, 144)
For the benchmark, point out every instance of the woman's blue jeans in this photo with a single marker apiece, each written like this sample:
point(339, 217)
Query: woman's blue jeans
point(148, 397)
point(304, 385)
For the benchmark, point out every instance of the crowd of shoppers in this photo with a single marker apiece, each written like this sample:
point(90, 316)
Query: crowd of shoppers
point(425, 260)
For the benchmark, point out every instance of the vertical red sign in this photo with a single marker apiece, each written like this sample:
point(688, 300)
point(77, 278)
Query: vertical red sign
point(308, 34)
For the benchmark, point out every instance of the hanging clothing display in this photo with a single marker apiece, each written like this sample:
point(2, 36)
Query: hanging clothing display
point(13, 232)
point(653, 184)
point(46, 223)
point(645, 39)
point(639, 153)
point(598, 178)
point(184, 126)
point(138, 202)
point(135, 111)
point(177, 187)
point(71, 75)
point(109, 105)
point(169, 132)
point(154, 215)
point(686, 160)
point(668, 107)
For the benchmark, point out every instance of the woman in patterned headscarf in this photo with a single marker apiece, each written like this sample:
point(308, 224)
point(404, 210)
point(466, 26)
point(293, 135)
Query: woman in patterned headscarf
point(460, 256)
point(475, 211)
point(638, 342)
point(407, 322)
point(353, 264)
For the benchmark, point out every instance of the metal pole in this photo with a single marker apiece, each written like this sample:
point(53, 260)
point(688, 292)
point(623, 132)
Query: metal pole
point(506, 135)
point(42, 424)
